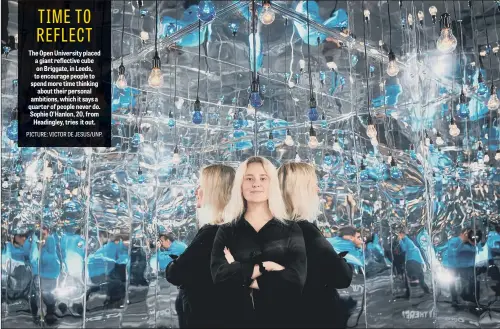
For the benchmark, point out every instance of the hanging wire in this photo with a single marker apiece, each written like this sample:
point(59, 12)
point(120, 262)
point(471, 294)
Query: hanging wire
point(311, 92)
point(156, 28)
point(487, 39)
point(123, 29)
point(199, 57)
point(366, 65)
point(254, 31)
point(390, 26)
point(286, 80)
point(175, 75)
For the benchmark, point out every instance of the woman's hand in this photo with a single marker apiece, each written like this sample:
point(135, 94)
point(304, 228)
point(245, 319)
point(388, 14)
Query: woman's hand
point(272, 266)
point(229, 257)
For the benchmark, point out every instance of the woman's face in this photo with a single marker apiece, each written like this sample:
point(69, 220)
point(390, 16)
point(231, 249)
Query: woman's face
point(255, 187)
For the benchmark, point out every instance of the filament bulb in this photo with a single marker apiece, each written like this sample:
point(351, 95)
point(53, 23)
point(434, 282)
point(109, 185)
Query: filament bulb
point(446, 43)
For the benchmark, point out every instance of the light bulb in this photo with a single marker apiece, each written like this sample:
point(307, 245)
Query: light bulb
point(366, 12)
point(155, 78)
point(144, 36)
point(439, 139)
point(302, 65)
point(121, 82)
point(176, 158)
point(486, 158)
point(454, 131)
point(497, 155)
point(371, 132)
point(336, 146)
point(493, 102)
point(427, 141)
point(410, 20)
point(289, 139)
point(433, 10)
point(206, 11)
point(421, 16)
point(446, 43)
point(332, 66)
point(297, 157)
point(267, 16)
point(313, 142)
point(5, 184)
point(178, 103)
point(392, 67)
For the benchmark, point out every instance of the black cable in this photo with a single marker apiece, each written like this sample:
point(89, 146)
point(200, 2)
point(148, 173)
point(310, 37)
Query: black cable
point(199, 57)
point(311, 93)
point(254, 74)
point(123, 29)
point(390, 26)
point(487, 39)
point(156, 28)
point(366, 64)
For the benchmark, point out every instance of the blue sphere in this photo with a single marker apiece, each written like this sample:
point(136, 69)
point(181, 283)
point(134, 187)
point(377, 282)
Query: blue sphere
point(313, 114)
point(463, 111)
point(12, 130)
point(255, 99)
point(197, 117)
point(270, 146)
point(363, 175)
point(171, 122)
point(206, 11)
point(396, 172)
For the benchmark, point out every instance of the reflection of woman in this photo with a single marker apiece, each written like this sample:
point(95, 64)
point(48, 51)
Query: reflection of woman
point(196, 303)
point(326, 270)
point(258, 260)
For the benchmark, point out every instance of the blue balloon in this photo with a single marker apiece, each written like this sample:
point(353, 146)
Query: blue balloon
point(172, 25)
point(338, 20)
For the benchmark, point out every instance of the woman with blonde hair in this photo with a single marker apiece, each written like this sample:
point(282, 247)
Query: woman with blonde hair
point(258, 258)
point(197, 304)
point(326, 270)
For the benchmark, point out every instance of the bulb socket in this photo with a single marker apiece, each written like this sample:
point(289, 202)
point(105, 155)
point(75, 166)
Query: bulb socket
point(392, 56)
point(393, 162)
point(412, 147)
point(156, 61)
point(480, 78)
point(14, 113)
point(266, 3)
point(312, 102)
point(312, 132)
point(170, 115)
point(493, 89)
point(271, 135)
point(121, 69)
point(288, 132)
point(463, 98)
point(446, 21)
point(255, 86)
point(370, 120)
point(176, 150)
point(197, 105)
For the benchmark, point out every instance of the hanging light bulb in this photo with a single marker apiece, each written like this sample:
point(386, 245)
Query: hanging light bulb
point(313, 111)
point(206, 11)
point(178, 103)
point(427, 139)
point(366, 13)
point(410, 21)
point(171, 120)
point(255, 98)
point(336, 145)
point(289, 139)
point(297, 157)
point(371, 131)
point(5, 183)
point(493, 102)
point(446, 43)
point(156, 77)
point(267, 15)
point(454, 131)
point(197, 115)
point(439, 139)
point(486, 158)
point(497, 155)
point(313, 141)
point(392, 67)
point(144, 36)
point(176, 158)
point(332, 66)
point(433, 11)
point(270, 143)
point(324, 123)
point(121, 82)
point(421, 16)
point(302, 65)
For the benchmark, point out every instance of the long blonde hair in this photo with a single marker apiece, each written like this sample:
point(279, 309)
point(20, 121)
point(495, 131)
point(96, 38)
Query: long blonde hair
point(216, 182)
point(236, 206)
point(299, 183)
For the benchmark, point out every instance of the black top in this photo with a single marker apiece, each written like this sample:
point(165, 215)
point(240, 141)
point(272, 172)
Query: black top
point(191, 271)
point(326, 272)
point(276, 302)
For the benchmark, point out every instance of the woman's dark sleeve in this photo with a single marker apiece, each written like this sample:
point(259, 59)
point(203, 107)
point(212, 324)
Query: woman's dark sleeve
point(335, 270)
point(182, 269)
point(237, 273)
point(293, 277)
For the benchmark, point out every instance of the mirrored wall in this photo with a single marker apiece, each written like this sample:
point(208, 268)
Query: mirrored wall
point(403, 134)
